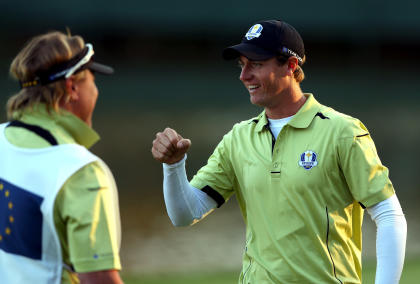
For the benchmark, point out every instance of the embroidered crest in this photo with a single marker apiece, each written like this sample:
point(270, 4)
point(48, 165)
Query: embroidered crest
point(308, 160)
point(254, 31)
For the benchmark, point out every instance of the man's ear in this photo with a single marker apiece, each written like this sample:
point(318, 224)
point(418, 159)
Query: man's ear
point(292, 64)
point(71, 89)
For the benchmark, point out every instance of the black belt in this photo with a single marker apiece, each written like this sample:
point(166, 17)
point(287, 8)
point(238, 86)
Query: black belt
point(36, 129)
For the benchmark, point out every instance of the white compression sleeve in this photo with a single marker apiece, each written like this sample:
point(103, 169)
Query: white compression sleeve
point(184, 203)
point(391, 234)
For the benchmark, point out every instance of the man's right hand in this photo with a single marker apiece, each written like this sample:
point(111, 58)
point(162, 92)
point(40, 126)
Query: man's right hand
point(169, 147)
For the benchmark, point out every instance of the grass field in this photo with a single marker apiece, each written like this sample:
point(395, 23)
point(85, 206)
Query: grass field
point(411, 275)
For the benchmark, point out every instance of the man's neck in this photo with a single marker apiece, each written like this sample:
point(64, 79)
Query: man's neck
point(289, 104)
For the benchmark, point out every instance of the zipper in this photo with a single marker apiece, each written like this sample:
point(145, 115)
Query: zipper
point(328, 248)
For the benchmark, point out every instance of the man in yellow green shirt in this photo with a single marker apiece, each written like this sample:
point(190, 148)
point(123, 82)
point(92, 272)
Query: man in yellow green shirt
point(302, 173)
point(78, 233)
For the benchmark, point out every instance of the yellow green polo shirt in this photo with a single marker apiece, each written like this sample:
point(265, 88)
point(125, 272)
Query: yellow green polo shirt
point(301, 195)
point(88, 229)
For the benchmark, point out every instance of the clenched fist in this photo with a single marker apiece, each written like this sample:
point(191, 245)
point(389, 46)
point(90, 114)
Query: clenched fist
point(169, 147)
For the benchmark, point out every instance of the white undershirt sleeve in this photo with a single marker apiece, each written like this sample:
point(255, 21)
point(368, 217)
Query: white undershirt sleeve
point(185, 204)
point(391, 234)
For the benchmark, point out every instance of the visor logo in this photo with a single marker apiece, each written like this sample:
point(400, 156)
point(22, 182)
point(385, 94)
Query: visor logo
point(308, 160)
point(254, 32)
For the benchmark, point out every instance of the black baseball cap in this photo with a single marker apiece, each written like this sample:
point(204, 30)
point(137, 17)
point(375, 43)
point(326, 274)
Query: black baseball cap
point(267, 39)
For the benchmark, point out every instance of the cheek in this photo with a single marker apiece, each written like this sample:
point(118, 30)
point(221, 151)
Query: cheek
point(96, 95)
point(271, 83)
point(93, 93)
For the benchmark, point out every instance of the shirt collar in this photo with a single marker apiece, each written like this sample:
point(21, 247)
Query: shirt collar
point(261, 121)
point(64, 124)
point(302, 119)
point(306, 113)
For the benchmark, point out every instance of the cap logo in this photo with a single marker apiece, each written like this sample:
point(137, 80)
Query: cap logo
point(289, 52)
point(254, 31)
point(308, 160)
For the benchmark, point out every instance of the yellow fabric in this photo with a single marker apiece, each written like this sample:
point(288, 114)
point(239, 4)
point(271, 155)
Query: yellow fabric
point(85, 211)
point(64, 126)
point(303, 224)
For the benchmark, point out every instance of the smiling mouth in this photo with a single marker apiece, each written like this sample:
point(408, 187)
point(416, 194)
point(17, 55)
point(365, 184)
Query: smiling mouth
point(253, 87)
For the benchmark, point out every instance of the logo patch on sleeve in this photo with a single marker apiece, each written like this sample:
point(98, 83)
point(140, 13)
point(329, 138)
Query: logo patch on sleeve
point(308, 160)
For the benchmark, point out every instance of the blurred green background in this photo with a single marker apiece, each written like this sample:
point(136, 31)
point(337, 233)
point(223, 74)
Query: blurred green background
point(362, 60)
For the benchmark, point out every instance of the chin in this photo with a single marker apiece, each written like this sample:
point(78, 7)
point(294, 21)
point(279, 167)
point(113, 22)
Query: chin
point(255, 101)
point(88, 121)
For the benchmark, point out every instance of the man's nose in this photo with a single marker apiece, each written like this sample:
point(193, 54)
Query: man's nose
point(245, 74)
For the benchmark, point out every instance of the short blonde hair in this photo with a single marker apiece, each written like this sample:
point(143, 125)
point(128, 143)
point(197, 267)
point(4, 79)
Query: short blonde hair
point(298, 74)
point(39, 54)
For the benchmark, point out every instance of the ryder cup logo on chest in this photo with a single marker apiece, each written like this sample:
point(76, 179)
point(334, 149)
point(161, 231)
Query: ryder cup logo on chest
point(254, 31)
point(308, 160)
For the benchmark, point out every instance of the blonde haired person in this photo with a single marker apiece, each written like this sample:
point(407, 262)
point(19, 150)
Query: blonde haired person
point(59, 215)
point(302, 173)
